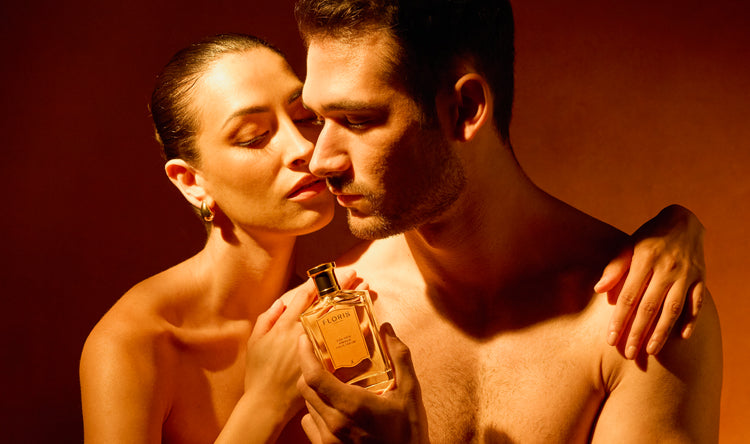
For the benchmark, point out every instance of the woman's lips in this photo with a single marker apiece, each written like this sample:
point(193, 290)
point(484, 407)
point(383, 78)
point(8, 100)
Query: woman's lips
point(308, 190)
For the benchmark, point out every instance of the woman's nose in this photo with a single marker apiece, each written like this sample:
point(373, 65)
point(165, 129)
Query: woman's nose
point(299, 148)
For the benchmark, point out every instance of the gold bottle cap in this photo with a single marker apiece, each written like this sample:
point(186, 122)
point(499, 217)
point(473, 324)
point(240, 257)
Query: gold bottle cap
point(324, 278)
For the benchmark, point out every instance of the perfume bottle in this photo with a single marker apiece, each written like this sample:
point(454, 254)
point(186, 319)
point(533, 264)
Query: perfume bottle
point(344, 333)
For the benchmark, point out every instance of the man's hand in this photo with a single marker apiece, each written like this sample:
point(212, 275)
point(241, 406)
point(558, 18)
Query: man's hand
point(663, 270)
point(340, 412)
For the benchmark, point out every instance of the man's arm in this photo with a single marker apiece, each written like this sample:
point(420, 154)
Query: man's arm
point(672, 397)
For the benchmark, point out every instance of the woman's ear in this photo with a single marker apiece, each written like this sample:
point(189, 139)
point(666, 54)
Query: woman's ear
point(471, 106)
point(186, 179)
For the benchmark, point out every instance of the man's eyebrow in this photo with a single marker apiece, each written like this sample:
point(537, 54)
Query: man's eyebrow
point(351, 105)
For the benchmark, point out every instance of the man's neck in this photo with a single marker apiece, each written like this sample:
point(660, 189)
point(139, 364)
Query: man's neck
point(482, 240)
point(504, 231)
point(508, 255)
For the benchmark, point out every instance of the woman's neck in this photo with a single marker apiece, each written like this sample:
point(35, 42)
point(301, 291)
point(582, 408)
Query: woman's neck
point(242, 278)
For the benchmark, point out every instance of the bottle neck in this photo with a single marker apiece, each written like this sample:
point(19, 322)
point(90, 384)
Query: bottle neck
point(324, 279)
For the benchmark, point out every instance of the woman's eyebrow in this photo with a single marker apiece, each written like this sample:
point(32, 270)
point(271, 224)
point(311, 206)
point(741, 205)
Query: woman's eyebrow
point(245, 111)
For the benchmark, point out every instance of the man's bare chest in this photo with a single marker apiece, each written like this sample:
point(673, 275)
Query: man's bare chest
point(536, 384)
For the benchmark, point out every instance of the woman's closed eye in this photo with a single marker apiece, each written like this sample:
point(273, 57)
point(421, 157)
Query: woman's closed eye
point(254, 141)
point(305, 116)
point(309, 120)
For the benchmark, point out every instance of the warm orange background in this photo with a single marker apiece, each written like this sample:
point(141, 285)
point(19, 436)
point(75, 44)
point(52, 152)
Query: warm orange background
point(622, 108)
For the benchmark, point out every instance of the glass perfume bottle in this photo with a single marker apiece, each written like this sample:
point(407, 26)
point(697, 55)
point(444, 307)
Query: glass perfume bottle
point(344, 333)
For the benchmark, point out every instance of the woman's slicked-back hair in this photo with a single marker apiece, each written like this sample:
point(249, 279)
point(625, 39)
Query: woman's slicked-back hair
point(175, 122)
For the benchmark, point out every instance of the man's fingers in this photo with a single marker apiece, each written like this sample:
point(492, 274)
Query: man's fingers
point(403, 367)
point(310, 429)
point(615, 271)
point(322, 428)
point(326, 423)
point(316, 429)
point(329, 391)
point(313, 423)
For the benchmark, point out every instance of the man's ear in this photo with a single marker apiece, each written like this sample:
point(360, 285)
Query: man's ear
point(187, 180)
point(470, 106)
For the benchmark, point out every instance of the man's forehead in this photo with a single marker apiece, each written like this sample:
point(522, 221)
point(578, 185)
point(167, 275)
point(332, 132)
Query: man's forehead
point(339, 67)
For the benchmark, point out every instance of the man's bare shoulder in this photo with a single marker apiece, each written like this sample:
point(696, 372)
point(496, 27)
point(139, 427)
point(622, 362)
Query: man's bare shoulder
point(677, 391)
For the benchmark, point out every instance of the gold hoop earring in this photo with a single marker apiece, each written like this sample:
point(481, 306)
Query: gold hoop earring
point(206, 212)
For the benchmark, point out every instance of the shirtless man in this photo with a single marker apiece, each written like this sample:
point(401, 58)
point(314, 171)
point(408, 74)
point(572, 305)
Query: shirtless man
point(487, 278)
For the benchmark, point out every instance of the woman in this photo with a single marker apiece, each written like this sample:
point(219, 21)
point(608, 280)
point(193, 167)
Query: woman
point(206, 351)
point(168, 362)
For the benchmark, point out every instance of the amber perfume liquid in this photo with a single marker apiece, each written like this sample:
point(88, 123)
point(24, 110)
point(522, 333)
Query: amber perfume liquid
point(344, 333)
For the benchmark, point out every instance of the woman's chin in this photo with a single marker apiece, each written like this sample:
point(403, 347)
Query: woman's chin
point(310, 221)
point(318, 223)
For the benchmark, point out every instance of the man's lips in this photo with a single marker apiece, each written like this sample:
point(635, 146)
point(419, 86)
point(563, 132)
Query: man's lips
point(307, 187)
point(344, 199)
point(347, 200)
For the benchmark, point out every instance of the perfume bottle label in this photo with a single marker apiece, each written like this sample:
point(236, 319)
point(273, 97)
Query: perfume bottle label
point(343, 337)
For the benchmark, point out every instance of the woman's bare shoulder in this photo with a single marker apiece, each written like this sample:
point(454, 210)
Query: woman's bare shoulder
point(144, 317)
point(130, 356)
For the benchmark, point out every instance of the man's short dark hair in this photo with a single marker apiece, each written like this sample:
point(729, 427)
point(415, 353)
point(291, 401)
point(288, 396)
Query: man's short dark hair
point(434, 36)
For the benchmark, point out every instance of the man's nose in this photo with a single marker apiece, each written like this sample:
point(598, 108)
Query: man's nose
point(330, 157)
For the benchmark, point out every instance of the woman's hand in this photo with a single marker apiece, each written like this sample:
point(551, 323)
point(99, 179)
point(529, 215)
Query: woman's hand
point(272, 368)
point(663, 270)
point(272, 363)
point(270, 399)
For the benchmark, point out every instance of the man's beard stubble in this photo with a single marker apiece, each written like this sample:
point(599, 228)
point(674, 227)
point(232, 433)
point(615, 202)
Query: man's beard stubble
point(397, 208)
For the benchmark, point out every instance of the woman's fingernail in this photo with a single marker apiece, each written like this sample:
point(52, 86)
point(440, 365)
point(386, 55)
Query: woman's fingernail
point(612, 338)
point(687, 332)
point(630, 352)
